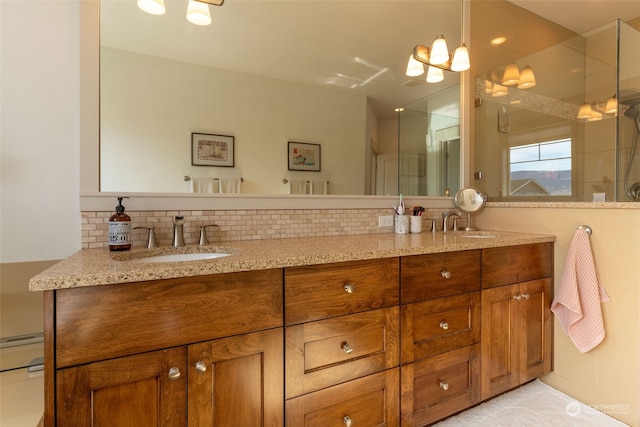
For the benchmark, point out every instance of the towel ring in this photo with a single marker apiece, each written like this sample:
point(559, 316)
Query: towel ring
point(585, 228)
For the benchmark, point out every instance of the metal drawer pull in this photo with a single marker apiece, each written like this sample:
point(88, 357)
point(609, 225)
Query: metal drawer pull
point(525, 296)
point(347, 420)
point(444, 325)
point(446, 274)
point(201, 367)
point(444, 385)
point(349, 288)
point(174, 373)
point(347, 348)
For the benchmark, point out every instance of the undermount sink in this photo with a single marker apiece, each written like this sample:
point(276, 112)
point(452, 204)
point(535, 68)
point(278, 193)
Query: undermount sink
point(171, 254)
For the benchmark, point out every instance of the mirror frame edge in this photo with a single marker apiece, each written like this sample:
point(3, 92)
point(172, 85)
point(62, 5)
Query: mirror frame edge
point(92, 199)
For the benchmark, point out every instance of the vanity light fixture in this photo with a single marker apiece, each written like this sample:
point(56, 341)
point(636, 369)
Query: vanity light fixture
point(438, 59)
point(197, 10)
point(594, 111)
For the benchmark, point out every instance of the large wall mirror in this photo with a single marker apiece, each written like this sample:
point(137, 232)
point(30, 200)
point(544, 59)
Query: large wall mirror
point(328, 74)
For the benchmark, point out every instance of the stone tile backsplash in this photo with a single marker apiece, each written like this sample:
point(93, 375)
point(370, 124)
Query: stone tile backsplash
point(251, 224)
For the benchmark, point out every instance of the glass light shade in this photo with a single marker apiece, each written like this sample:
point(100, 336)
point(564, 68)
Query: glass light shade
point(439, 51)
point(198, 13)
point(595, 116)
point(499, 90)
point(511, 75)
point(612, 105)
point(585, 111)
point(153, 7)
point(488, 87)
point(435, 75)
point(527, 78)
point(414, 67)
point(461, 59)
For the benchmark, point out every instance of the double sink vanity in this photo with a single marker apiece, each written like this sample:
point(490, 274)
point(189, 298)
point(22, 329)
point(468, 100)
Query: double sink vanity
point(364, 330)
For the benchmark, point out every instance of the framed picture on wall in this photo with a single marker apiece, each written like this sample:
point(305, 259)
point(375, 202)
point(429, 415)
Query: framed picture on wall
point(212, 150)
point(304, 157)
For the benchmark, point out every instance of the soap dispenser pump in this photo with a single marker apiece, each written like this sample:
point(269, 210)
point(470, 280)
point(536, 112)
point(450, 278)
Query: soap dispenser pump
point(119, 229)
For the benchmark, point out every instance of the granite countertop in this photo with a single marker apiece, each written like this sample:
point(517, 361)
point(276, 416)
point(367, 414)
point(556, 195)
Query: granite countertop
point(93, 267)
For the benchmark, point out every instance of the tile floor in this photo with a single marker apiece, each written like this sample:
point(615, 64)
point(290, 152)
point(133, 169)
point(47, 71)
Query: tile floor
point(533, 405)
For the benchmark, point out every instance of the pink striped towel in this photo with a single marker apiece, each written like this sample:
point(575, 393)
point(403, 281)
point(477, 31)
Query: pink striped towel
point(577, 303)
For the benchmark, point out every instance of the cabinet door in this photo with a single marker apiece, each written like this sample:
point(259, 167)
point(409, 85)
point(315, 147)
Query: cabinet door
point(237, 381)
point(144, 390)
point(499, 333)
point(517, 335)
point(536, 329)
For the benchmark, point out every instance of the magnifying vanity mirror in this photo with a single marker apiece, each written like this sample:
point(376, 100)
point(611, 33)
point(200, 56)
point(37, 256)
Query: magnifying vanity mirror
point(469, 201)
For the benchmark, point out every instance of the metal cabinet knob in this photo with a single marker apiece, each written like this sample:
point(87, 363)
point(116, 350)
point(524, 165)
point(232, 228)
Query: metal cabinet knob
point(347, 420)
point(174, 373)
point(444, 385)
point(525, 296)
point(517, 297)
point(201, 367)
point(349, 288)
point(444, 325)
point(446, 274)
point(347, 348)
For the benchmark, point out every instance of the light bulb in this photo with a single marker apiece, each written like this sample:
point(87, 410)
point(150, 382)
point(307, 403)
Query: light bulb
point(439, 51)
point(435, 75)
point(198, 13)
point(153, 7)
point(461, 59)
point(414, 67)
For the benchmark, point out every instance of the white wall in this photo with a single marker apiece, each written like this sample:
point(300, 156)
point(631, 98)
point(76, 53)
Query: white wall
point(39, 119)
point(149, 109)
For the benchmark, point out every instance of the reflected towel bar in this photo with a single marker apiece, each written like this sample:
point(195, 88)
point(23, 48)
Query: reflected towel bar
point(188, 178)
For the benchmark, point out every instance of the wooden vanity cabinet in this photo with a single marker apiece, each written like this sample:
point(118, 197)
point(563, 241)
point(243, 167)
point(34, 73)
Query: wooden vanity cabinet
point(440, 326)
point(195, 351)
point(517, 323)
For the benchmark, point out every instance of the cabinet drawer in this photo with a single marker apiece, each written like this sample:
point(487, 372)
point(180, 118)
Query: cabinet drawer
point(437, 326)
point(331, 351)
point(370, 401)
point(442, 385)
point(101, 322)
point(438, 275)
point(513, 264)
point(320, 291)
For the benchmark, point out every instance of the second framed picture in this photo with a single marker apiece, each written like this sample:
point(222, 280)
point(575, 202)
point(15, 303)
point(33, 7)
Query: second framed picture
point(304, 157)
point(212, 150)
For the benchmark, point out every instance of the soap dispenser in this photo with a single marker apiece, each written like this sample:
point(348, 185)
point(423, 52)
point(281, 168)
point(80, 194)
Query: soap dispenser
point(119, 229)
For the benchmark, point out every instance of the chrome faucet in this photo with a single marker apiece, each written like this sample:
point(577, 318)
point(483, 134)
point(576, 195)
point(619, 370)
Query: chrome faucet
point(151, 241)
point(178, 233)
point(203, 234)
point(445, 219)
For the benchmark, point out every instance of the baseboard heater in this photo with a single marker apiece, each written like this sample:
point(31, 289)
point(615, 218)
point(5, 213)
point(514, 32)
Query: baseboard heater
point(21, 340)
